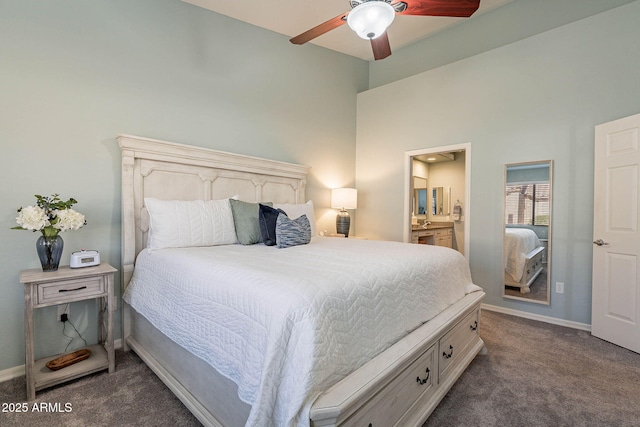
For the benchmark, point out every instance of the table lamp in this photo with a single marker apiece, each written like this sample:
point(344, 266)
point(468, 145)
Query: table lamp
point(343, 199)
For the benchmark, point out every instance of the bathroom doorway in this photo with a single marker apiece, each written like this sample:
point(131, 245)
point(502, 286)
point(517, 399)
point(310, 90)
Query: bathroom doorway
point(452, 179)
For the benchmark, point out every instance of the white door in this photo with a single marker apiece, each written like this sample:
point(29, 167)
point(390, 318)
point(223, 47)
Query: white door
point(615, 315)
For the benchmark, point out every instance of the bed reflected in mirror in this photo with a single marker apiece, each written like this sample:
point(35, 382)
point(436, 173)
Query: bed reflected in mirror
point(527, 231)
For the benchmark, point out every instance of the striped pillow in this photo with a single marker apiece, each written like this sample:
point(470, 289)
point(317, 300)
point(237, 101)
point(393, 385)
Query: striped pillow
point(292, 232)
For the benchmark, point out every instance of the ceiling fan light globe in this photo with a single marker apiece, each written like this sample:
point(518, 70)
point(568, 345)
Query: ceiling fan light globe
point(371, 19)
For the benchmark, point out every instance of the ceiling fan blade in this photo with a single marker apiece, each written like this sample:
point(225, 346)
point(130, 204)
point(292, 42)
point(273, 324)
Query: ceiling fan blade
point(319, 30)
point(455, 8)
point(381, 46)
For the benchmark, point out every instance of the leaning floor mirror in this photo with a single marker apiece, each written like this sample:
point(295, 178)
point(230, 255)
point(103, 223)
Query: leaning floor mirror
point(527, 231)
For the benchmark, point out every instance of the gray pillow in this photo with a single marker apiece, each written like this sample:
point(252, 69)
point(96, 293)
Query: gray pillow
point(245, 220)
point(292, 232)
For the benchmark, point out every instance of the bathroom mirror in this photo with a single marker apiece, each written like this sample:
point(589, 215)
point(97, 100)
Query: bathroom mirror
point(441, 201)
point(527, 231)
point(419, 196)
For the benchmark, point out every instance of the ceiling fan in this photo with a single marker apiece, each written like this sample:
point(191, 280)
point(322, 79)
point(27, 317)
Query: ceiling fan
point(371, 18)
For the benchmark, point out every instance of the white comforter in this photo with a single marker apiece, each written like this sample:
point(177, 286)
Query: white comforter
point(518, 242)
point(285, 324)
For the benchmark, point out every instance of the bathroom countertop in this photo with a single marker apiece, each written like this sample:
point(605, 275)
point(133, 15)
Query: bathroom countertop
point(432, 226)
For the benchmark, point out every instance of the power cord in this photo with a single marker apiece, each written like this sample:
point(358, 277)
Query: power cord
point(65, 319)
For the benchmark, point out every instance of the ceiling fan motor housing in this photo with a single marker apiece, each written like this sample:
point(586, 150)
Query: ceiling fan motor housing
point(355, 3)
point(370, 18)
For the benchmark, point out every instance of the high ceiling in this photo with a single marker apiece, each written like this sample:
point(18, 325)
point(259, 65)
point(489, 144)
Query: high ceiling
point(292, 17)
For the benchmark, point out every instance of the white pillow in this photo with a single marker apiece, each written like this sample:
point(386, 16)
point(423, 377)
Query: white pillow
point(182, 223)
point(294, 211)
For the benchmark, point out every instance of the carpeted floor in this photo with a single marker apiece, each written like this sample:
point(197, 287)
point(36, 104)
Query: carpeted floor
point(538, 374)
point(535, 374)
point(131, 396)
point(538, 289)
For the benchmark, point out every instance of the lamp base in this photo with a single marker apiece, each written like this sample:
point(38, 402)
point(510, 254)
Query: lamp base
point(343, 223)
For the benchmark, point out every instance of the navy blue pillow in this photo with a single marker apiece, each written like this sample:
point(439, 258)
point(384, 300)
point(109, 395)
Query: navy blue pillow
point(267, 216)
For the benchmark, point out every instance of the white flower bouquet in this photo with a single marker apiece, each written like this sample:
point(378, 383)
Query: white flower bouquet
point(50, 215)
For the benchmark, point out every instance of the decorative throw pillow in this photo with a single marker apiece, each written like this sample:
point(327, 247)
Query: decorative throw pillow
point(294, 210)
point(246, 221)
point(184, 223)
point(268, 217)
point(292, 232)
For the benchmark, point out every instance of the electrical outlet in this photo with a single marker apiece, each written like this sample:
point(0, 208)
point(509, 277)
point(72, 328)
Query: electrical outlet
point(63, 309)
point(559, 287)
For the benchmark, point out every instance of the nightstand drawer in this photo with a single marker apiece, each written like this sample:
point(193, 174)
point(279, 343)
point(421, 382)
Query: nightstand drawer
point(70, 290)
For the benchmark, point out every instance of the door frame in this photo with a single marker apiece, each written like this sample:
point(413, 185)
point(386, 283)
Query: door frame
point(466, 209)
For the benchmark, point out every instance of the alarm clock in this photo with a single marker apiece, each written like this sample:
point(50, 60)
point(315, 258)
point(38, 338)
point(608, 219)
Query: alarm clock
point(84, 258)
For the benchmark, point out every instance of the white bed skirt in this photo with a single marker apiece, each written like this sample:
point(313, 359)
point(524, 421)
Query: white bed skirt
point(188, 376)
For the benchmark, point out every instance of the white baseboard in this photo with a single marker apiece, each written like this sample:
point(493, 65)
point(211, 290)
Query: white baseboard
point(11, 373)
point(539, 317)
point(18, 371)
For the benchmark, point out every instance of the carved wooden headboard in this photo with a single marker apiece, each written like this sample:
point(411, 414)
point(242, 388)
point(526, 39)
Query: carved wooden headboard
point(171, 171)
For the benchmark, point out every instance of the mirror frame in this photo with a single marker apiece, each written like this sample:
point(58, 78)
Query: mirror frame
point(547, 256)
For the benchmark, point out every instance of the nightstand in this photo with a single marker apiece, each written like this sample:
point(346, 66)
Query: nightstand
point(60, 287)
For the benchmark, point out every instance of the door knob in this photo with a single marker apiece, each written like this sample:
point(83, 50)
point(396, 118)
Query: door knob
point(600, 242)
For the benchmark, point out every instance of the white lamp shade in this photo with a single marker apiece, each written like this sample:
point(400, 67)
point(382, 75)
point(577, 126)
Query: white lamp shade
point(371, 18)
point(346, 198)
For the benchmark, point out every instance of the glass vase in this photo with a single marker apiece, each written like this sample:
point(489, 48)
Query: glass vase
point(49, 250)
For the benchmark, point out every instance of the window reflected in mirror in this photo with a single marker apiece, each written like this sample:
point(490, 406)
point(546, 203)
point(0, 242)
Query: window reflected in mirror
point(527, 231)
point(419, 196)
point(527, 203)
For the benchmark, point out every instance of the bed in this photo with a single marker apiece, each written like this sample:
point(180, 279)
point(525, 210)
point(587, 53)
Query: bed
point(523, 258)
point(331, 339)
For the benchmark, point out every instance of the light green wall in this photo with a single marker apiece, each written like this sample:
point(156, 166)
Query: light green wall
point(514, 21)
point(74, 74)
point(535, 99)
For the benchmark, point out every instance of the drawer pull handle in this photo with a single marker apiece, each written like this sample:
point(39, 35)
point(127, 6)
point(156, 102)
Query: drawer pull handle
point(71, 290)
point(474, 327)
point(448, 356)
point(421, 382)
